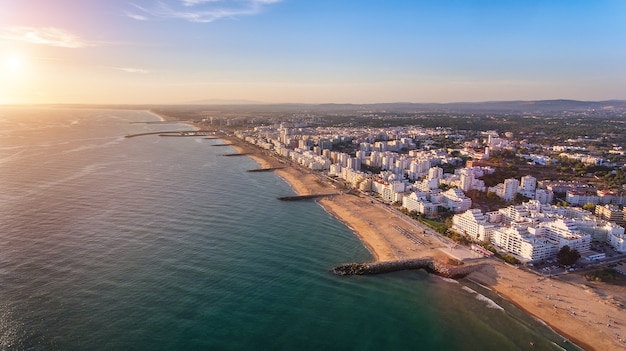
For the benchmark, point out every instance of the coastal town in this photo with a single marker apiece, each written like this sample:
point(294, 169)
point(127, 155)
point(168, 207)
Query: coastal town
point(547, 217)
point(408, 168)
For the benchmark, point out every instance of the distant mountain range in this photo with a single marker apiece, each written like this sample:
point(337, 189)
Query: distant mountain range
point(497, 106)
point(534, 106)
point(224, 102)
point(515, 107)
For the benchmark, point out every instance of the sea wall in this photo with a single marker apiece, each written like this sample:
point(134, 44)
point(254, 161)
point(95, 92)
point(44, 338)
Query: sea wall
point(428, 263)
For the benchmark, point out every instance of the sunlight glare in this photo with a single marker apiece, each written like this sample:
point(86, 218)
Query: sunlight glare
point(13, 63)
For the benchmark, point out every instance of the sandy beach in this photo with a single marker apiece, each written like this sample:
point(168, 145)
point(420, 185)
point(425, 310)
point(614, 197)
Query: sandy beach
point(574, 308)
point(589, 315)
point(380, 228)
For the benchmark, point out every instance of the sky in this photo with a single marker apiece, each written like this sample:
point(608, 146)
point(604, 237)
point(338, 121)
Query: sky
point(310, 51)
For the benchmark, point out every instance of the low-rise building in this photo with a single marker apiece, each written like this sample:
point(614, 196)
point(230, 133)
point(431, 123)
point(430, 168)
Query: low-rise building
point(610, 213)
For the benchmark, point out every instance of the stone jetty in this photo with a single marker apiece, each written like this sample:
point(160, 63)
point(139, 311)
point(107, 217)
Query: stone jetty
point(237, 154)
point(304, 197)
point(269, 169)
point(176, 133)
point(428, 263)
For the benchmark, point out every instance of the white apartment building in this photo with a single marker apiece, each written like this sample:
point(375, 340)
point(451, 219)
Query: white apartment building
point(390, 192)
point(335, 170)
point(565, 232)
point(618, 241)
point(544, 196)
point(428, 184)
point(419, 167)
point(506, 190)
point(474, 224)
point(456, 200)
point(467, 179)
point(599, 230)
point(574, 197)
point(420, 203)
point(528, 185)
point(610, 213)
point(365, 185)
point(511, 187)
point(519, 241)
point(435, 173)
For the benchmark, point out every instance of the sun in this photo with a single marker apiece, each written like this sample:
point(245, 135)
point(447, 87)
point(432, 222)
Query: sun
point(15, 77)
point(13, 63)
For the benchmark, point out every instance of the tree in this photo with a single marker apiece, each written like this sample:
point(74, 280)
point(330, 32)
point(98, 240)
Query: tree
point(589, 206)
point(567, 256)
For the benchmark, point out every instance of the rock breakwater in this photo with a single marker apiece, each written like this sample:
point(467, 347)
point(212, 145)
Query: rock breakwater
point(428, 263)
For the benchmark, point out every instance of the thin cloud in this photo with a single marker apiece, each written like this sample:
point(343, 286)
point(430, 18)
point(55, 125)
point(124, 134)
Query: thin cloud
point(132, 70)
point(196, 2)
point(44, 36)
point(136, 16)
point(201, 11)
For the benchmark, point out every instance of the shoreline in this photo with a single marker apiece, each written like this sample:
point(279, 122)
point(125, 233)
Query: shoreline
point(161, 118)
point(383, 242)
point(583, 323)
point(568, 308)
point(570, 314)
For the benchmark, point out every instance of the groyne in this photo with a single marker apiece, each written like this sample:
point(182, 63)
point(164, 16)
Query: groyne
point(269, 169)
point(162, 122)
point(428, 263)
point(179, 133)
point(304, 197)
point(237, 154)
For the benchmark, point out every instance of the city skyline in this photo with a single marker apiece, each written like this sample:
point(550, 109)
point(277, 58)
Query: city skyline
point(290, 51)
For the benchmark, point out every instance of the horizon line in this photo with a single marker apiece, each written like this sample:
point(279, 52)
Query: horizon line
point(251, 102)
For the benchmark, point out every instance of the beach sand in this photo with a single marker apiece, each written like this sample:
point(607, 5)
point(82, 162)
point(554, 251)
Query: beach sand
point(568, 304)
point(580, 312)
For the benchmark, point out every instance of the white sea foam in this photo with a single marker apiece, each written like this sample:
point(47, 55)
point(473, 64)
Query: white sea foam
point(449, 280)
point(469, 290)
point(481, 297)
point(490, 302)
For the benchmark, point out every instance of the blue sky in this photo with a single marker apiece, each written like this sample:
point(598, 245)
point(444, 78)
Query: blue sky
point(177, 51)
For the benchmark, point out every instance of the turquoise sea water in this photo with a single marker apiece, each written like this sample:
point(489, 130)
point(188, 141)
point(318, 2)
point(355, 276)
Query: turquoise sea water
point(161, 243)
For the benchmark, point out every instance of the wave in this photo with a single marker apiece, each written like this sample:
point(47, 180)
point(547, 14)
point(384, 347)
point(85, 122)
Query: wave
point(481, 297)
point(490, 302)
point(469, 290)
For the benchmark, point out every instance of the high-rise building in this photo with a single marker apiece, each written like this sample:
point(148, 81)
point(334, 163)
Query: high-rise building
point(511, 186)
point(435, 173)
point(528, 185)
point(467, 179)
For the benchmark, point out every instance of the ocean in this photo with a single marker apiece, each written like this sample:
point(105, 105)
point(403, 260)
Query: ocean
point(161, 243)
